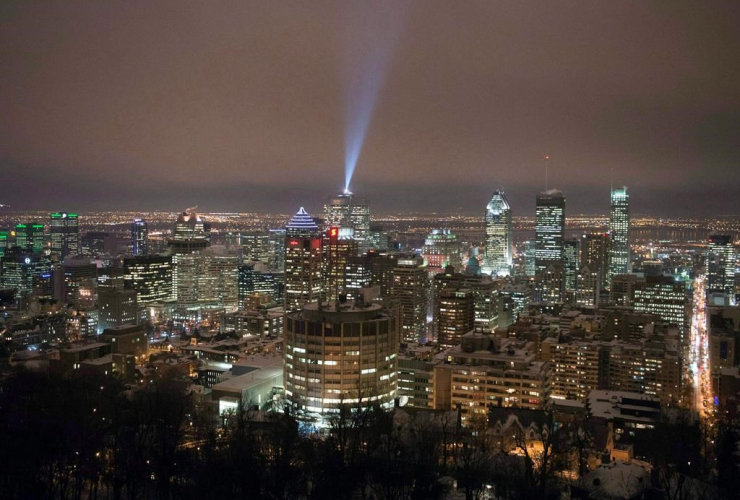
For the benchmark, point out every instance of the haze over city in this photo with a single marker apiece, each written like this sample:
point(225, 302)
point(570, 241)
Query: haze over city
point(252, 106)
point(377, 250)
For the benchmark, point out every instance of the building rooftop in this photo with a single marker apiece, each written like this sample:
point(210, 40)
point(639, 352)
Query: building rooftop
point(302, 221)
point(612, 404)
point(85, 347)
point(241, 383)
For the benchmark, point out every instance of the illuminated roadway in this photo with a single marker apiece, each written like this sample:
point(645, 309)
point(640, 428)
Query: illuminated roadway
point(699, 351)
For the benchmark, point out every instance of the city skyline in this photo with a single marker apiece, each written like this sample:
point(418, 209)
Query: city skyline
point(259, 113)
point(378, 249)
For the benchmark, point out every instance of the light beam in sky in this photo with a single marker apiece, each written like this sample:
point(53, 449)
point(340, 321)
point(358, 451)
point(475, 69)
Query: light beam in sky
point(374, 29)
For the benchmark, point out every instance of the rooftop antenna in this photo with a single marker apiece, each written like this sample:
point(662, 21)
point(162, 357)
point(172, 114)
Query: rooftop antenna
point(547, 166)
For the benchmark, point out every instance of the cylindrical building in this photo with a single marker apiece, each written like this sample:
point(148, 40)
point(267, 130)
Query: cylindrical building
point(345, 355)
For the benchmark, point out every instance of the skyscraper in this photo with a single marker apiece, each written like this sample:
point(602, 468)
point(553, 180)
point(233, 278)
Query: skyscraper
point(3, 242)
point(94, 243)
point(410, 285)
point(190, 233)
point(454, 314)
point(303, 261)
point(65, 236)
point(619, 226)
point(30, 236)
point(588, 286)
point(349, 211)
point(139, 237)
point(441, 249)
point(571, 260)
point(665, 297)
point(549, 229)
point(498, 255)
point(595, 252)
point(529, 258)
point(75, 280)
point(207, 278)
point(721, 266)
point(150, 276)
point(23, 271)
point(340, 249)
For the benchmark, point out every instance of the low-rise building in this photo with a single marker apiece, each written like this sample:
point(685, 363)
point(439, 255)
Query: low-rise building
point(416, 377)
point(127, 339)
point(485, 370)
point(252, 382)
point(263, 322)
point(620, 415)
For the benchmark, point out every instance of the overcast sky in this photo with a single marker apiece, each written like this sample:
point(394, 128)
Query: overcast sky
point(242, 105)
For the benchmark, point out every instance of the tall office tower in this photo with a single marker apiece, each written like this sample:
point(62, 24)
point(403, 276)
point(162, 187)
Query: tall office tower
point(150, 276)
point(549, 285)
point(622, 291)
point(441, 249)
point(303, 261)
point(347, 210)
point(380, 266)
point(208, 278)
point(619, 227)
point(588, 287)
point(486, 291)
point(30, 236)
point(380, 239)
point(721, 266)
point(65, 235)
point(355, 349)
point(487, 302)
point(571, 265)
point(77, 281)
point(666, 298)
point(357, 276)
point(4, 243)
point(116, 308)
point(24, 272)
point(515, 299)
point(340, 249)
point(192, 283)
point(256, 279)
point(94, 243)
point(454, 315)
point(190, 233)
point(255, 245)
point(549, 230)
point(530, 259)
point(223, 269)
point(139, 237)
point(595, 253)
point(410, 285)
point(499, 242)
point(276, 249)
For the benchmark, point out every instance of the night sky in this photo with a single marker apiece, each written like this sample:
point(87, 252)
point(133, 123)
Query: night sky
point(244, 105)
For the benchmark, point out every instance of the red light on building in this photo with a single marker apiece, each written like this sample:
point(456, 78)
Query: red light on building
point(293, 243)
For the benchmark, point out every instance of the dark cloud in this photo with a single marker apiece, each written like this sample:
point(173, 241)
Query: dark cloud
point(240, 105)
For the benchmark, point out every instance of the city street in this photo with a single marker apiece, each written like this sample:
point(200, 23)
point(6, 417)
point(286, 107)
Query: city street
point(699, 352)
